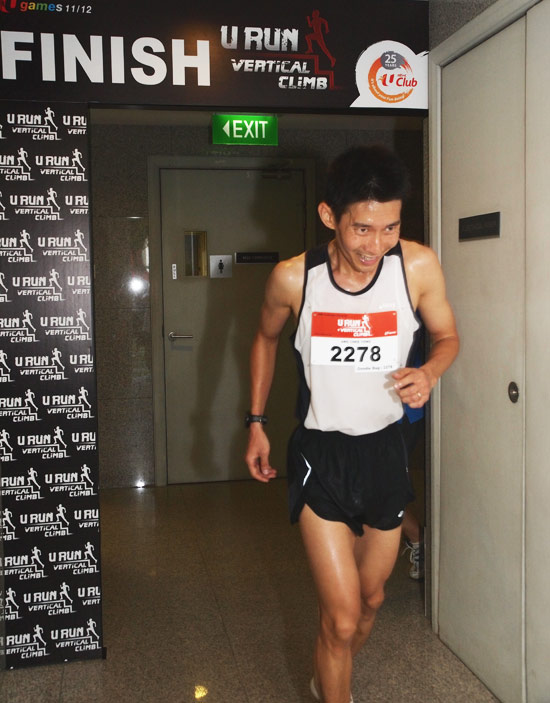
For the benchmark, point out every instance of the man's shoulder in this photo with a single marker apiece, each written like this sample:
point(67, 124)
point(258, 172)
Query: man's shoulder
point(418, 257)
point(413, 248)
point(293, 269)
point(290, 268)
point(423, 270)
point(286, 280)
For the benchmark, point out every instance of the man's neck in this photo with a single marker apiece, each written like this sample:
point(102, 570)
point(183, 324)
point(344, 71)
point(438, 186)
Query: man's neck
point(343, 272)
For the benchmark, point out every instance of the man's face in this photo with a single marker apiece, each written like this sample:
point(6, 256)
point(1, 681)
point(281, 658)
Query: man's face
point(367, 231)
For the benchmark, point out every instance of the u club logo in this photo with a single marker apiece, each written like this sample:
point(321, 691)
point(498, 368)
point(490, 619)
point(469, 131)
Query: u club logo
point(391, 78)
point(390, 74)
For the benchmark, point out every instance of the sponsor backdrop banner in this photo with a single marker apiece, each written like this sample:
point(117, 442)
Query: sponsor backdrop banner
point(51, 604)
point(290, 54)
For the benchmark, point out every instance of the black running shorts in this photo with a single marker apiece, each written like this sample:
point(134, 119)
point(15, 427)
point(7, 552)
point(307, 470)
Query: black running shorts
point(357, 480)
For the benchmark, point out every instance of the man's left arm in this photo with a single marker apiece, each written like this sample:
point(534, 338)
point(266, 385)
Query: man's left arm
point(427, 286)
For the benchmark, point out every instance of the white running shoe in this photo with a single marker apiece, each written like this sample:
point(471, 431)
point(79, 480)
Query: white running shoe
point(315, 692)
point(416, 558)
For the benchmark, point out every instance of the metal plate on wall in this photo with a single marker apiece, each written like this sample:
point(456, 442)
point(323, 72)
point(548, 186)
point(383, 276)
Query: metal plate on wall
point(221, 266)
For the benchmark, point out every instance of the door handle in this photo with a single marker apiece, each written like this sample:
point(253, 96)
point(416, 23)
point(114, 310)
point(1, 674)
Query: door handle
point(172, 335)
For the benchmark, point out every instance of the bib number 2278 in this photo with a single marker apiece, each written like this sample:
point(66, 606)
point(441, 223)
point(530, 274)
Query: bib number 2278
point(355, 354)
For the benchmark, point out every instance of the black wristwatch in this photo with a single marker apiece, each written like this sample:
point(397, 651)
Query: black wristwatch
point(249, 418)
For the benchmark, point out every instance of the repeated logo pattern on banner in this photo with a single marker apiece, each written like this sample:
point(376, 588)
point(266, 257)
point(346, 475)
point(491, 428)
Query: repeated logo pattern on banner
point(51, 603)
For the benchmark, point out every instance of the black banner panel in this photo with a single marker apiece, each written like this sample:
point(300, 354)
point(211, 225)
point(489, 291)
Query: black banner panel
point(51, 603)
point(291, 54)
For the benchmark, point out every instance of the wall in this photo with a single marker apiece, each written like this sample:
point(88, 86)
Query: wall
point(537, 491)
point(536, 391)
point(122, 317)
point(448, 16)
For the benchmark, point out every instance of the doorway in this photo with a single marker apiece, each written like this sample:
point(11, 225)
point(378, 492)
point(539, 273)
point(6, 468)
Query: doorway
point(126, 249)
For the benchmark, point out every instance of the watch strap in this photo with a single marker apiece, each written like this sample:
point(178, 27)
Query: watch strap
point(250, 418)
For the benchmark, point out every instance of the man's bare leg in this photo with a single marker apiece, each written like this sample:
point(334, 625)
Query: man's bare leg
point(411, 526)
point(330, 549)
point(375, 553)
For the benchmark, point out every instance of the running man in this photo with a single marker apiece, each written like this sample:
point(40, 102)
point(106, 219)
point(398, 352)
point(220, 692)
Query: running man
point(319, 25)
point(347, 470)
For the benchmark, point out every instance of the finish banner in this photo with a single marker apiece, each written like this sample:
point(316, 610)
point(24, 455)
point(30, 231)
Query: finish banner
point(360, 54)
point(51, 605)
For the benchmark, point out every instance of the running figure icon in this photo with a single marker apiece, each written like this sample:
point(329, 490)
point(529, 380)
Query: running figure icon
point(319, 25)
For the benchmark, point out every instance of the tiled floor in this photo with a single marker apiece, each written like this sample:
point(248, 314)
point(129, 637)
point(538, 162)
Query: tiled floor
point(207, 597)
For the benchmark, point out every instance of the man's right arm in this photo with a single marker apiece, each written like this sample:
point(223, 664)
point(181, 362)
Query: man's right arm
point(282, 295)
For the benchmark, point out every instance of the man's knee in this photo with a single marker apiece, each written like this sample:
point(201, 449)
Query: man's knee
point(373, 600)
point(338, 629)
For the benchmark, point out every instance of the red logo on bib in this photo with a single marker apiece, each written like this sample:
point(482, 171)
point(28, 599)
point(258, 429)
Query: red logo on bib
point(350, 325)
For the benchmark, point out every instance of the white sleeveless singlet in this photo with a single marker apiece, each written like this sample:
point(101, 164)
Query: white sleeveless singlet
point(348, 344)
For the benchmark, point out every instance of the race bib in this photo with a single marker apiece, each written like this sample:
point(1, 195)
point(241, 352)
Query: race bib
point(365, 342)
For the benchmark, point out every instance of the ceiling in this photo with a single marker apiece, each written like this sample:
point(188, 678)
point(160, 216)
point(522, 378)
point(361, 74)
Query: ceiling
point(194, 118)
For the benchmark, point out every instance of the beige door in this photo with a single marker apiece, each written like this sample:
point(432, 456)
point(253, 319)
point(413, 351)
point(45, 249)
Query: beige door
point(482, 431)
point(210, 320)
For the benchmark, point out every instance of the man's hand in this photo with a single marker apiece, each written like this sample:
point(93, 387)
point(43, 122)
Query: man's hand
point(413, 386)
point(257, 454)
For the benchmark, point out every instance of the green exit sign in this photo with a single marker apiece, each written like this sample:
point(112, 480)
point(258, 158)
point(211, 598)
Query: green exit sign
point(245, 129)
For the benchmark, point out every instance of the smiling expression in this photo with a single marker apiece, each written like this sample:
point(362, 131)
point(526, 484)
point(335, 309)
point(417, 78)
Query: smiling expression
point(364, 234)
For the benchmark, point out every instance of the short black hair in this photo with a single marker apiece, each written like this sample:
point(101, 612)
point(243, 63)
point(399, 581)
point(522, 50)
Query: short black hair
point(365, 173)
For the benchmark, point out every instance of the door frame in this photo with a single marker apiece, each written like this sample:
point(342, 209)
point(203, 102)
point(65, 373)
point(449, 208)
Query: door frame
point(154, 166)
point(495, 18)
